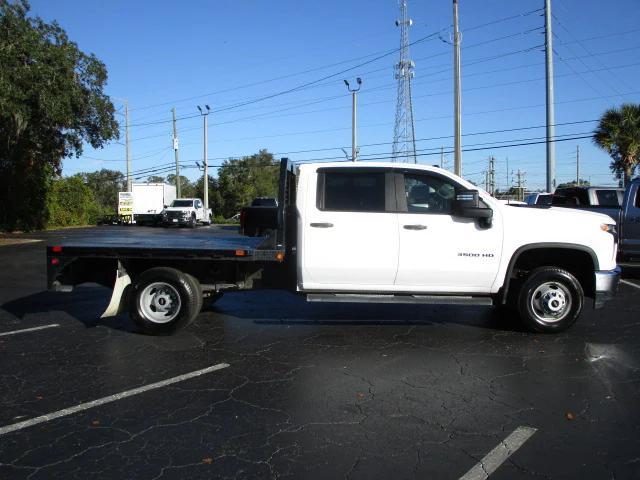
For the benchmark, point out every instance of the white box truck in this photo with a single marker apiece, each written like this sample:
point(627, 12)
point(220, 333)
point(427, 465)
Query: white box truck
point(149, 199)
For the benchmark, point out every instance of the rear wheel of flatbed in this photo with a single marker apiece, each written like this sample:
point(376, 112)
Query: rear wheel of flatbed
point(163, 300)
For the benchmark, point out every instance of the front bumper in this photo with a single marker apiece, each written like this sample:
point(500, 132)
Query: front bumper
point(606, 286)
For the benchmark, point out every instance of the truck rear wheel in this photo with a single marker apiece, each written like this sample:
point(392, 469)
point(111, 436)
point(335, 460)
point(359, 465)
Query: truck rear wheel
point(163, 300)
point(550, 300)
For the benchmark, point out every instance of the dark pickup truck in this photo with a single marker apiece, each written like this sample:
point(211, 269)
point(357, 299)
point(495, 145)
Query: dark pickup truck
point(624, 208)
point(260, 218)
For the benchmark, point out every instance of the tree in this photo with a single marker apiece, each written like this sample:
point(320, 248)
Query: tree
point(580, 183)
point(240, 180)
point(105, 185)
point(187, 189)
point(215, 197)
point(618, 134)
point(155, 179)
point(51, 102)
point(71, 202)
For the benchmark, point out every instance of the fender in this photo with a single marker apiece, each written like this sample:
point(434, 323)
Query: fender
point(116, 305)
point(535, 246)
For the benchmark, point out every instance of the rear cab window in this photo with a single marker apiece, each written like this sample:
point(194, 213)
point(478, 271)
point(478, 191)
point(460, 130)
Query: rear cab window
point(608, 198)
point(344, 190)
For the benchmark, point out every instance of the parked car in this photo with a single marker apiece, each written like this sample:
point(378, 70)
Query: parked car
point(606, 200)
point(374, 232)
point(621, 205)
point(186, 211)
point(538, 198)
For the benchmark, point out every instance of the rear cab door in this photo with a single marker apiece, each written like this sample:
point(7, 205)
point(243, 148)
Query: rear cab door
point(348, 231)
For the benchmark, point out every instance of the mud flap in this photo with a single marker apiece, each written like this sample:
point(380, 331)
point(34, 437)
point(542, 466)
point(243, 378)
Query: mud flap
point(116, 304)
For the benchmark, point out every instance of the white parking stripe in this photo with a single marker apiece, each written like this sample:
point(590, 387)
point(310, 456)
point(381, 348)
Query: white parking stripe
point(498, 455)
point(627, 282)
point(25, 330)
point(111, 398)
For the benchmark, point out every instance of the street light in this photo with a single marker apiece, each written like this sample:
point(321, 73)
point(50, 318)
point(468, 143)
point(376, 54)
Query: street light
point(206, 172)
point(354, 101)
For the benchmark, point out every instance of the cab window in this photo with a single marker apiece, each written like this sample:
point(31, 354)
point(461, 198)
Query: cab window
point(429, 194)
point(351, 191)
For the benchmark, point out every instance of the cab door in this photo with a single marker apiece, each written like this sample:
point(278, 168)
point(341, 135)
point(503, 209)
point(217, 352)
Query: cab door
point(440, 252)
point(349, 238)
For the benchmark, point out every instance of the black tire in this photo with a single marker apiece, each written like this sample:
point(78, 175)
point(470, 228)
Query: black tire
point(177, 285)
point(550, 300)
point(193, 222)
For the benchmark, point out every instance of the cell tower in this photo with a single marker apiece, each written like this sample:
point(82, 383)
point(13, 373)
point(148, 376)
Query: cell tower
point(404, 137)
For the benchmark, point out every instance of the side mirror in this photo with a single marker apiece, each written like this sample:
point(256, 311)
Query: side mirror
point(164, 206)
point(467, 204)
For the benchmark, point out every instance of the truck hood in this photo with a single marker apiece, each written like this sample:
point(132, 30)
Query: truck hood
point(557, 225)
point(567, 216)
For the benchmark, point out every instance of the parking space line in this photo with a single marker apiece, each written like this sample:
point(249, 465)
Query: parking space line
point(25, 330)
point(111, 398)
point(498, 455)
point(627, 282)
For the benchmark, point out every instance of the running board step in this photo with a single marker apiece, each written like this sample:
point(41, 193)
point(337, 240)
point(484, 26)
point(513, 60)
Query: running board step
point(382, 298)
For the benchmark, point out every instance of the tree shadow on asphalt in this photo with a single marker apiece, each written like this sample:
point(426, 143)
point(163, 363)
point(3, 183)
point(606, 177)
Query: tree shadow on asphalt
point(85, 304)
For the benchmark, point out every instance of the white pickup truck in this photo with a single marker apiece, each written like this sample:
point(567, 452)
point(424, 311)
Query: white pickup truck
point(186, 211)
point(368, 232)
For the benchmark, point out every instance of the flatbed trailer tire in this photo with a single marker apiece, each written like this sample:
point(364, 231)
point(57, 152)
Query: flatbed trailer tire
point(163, 300)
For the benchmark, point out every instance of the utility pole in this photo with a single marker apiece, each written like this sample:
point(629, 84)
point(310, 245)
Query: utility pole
point(457, 101)
point(354, 107)
point(577, 165)
point(126, 135)
point(205, 114)
point(551, 149)
point(175, 150)
point(520, 183)
point(491, 180)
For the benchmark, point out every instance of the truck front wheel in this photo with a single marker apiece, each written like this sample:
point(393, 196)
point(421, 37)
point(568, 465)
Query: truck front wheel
point(163, 300)
point(550, 300)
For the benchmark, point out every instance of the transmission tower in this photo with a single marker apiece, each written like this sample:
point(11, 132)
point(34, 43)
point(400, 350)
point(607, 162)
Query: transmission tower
point(404, 137)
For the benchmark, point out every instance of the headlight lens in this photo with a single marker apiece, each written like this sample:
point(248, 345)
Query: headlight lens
point(609, 228)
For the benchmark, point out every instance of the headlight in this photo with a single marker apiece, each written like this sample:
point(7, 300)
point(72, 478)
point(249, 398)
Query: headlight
point(609, 228)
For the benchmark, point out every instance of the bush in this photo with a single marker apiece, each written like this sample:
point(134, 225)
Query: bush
point(70, 203)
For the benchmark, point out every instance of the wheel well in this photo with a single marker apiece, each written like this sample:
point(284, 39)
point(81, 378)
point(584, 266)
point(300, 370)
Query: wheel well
point(579, 263)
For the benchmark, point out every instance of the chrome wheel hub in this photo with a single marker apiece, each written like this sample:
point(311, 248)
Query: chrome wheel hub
point(551, 302)
point(160, 302)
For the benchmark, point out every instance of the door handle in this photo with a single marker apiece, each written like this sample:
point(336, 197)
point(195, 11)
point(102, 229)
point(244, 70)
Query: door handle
point(415, 227)
point(321, 225)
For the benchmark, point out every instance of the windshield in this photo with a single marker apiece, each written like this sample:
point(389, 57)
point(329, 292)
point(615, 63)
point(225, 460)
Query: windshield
point(182, 203)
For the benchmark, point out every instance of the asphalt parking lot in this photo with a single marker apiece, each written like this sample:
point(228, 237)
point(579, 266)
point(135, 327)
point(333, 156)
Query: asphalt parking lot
point(264, 385)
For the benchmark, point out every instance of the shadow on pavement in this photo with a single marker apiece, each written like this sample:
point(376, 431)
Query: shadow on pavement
point(84, 304)
point(284, 308)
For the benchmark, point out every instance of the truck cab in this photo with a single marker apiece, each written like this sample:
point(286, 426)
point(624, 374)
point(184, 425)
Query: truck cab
point(186, 212)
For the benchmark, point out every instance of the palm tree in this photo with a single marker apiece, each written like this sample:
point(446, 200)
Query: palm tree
point(618, 133)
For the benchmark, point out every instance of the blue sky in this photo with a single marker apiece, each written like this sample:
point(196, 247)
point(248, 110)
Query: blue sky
point(162, 54)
